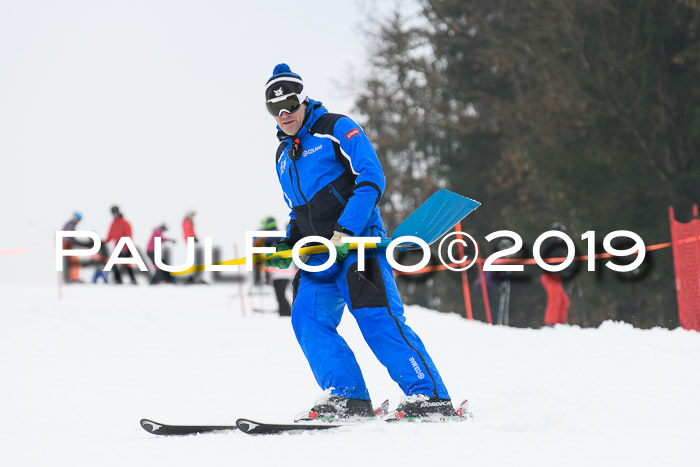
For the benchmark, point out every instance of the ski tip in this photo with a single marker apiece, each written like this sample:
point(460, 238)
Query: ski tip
point(149, 425)
point(246, 426)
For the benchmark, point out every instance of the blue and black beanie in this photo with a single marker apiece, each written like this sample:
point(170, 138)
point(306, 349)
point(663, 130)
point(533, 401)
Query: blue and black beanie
point(282, 82)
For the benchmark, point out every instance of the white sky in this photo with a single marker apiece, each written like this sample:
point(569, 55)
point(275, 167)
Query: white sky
point(156, 106)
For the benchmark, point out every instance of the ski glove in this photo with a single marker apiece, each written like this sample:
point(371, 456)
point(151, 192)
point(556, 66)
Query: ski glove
point(276, 261)
point(341, 249)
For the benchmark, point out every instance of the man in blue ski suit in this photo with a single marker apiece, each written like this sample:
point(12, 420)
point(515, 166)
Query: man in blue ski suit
point(332, 181)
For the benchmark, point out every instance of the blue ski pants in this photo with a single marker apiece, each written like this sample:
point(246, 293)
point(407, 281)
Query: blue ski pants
point(374, 301)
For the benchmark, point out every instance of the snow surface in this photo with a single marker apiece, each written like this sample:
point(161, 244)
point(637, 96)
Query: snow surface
point(79, 372)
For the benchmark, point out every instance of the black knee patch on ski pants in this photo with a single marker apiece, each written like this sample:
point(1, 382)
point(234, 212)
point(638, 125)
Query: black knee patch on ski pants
point(295, 285)
point(366, 288)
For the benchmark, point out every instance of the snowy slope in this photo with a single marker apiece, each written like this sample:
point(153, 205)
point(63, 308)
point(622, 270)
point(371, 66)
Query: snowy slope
point(78, 373)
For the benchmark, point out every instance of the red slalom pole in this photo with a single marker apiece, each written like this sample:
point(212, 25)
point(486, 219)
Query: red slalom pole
point(484, 292)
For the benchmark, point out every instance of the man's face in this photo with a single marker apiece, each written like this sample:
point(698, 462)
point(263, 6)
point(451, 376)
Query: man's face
point(290, 123)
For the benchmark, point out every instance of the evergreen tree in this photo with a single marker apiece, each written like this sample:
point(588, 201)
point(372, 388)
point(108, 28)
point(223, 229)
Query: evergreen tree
point(581, 112)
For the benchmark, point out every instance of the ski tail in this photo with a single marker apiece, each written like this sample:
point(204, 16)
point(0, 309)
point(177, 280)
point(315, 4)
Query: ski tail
point(382, 410)
point(463, 410)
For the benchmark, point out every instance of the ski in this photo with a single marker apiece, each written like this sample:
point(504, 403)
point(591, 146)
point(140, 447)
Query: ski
point(253, 427)
point(163, 429)
point(182, 430)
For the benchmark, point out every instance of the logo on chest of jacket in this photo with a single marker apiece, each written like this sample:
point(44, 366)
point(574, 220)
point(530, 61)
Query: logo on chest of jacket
point(351, 133)
point(306, 152)
point(283, 165)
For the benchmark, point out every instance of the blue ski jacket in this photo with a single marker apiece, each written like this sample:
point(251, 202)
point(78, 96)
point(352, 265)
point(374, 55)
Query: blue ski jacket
point(331, 177)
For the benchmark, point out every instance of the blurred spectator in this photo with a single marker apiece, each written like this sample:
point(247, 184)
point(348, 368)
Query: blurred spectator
point(188, 232)
point(69, 243)
point(188, 226)
point(280, 278)
point(269, 223)
point(120, 228)
point(160, 276)
point(99, 261)
point(557, 308)
point(498, 285)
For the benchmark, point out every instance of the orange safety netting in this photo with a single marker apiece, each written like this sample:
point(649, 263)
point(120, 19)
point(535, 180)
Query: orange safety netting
point(685, 238)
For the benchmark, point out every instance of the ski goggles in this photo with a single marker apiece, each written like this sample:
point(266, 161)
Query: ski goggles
point(289, 103)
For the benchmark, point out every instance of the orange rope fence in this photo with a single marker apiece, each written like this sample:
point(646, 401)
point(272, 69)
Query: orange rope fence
point(528, 261)
point(20, 251)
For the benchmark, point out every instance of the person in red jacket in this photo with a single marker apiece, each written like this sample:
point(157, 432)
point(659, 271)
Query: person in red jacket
point(187, 232)
point(120, 228)
point(160, 276)
point(557, 310)
point(188, 227)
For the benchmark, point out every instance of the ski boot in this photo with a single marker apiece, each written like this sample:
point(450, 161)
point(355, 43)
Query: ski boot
point(420, 407)
point(336, 408)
